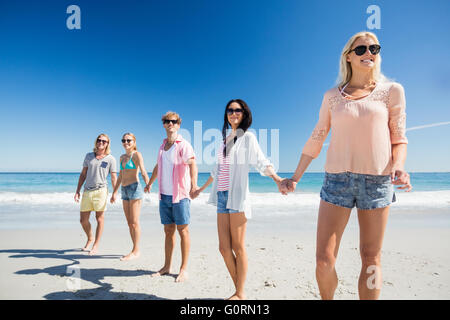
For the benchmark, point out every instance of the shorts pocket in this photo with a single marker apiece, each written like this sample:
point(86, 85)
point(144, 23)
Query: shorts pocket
point(336, 183)
point(378, 186)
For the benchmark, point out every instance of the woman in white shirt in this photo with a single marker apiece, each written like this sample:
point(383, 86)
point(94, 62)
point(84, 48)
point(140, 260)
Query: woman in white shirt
point(230, 192)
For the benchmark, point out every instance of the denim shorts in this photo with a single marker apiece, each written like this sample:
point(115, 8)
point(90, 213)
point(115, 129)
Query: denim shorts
point(132, 191)
point(222, 199)
point(178, 213)
point(366, 191)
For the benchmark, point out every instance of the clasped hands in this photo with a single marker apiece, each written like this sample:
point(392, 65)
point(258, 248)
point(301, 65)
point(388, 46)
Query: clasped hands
point(195, 191)
point(286, 185)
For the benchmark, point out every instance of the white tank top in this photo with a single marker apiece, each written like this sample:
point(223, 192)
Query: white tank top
point(168, 160)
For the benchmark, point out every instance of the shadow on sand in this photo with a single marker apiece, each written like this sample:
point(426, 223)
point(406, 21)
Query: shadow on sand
point(71, 271)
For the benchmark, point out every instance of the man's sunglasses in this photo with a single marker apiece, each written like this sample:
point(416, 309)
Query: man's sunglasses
point(102, 141)
point(167, 121)
point(230, 111)
point(126, 140)
point(373, 48)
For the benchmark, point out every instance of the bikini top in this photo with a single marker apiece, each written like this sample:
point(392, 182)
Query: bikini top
point(129, 165)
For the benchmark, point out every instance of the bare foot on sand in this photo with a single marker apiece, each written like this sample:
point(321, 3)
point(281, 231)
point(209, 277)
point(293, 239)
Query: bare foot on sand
point(130, 256)
point(88, 243)
point(163, 271)
point(93, 251)
point(183, 276)
point(237, 297)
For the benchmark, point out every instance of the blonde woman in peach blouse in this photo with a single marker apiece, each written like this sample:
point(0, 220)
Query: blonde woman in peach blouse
point(365, 158)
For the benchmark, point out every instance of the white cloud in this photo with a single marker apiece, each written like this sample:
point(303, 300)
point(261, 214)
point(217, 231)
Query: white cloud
point(416, 128)
point(428, 126)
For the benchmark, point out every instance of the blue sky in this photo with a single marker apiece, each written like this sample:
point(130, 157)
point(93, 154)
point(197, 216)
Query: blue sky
point(134, 60)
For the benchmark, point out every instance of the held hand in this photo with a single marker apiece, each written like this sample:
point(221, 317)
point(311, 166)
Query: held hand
point(401, 177)
point(282, 187)
point(77, 197)
point(113, 198)
point(148, 188)
point(194, 193)
point(289, 185)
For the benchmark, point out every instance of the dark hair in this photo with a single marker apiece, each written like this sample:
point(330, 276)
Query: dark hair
point(244, 125)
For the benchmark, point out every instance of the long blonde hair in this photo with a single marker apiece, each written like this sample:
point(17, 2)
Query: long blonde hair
point(134, 138)
point(345, 68)
point(108, 147)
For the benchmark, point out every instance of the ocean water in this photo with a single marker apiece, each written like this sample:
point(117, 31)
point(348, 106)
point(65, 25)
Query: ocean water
point(36, 199)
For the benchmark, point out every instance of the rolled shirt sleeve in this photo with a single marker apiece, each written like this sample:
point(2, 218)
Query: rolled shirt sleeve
point(315, 142)
point(113, 166)
point(86, 161)
point(187, 152)
point(397, 114)
point(256, 157)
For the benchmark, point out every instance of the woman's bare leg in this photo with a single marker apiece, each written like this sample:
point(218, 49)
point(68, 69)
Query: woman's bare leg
point(372, 225)
point(224, 233)
point(330, 227)
point(238, 225)
point(132, 213)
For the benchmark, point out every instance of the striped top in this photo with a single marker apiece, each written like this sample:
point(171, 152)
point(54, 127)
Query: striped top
point(223, 177)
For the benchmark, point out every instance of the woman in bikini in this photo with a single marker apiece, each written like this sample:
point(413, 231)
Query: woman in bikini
point(130, 164)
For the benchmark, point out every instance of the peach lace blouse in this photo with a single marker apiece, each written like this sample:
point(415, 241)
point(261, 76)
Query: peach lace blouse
point(362, 131)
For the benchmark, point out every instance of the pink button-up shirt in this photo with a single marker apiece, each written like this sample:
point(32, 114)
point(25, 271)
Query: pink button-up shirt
point(181, 176)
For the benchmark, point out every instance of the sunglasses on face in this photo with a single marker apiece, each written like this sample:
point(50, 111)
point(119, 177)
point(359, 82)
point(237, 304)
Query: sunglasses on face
point(126, 140)
point(167, 121)
point(230, 111)
point(102, 141)
point(373, 48)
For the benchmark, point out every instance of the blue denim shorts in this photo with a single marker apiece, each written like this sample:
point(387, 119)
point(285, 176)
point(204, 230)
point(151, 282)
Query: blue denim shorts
point(178, 213)
point(222, 199)
point(363, 190)
point(132, 191)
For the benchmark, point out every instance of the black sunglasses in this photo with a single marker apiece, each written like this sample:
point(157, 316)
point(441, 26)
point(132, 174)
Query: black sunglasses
point(230, 111)
point(167, 121)
point(373, 48)
point(126, 140)
point(102, 141)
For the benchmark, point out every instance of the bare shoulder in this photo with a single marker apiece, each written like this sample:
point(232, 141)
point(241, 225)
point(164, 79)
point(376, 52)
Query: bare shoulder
point(137, 155)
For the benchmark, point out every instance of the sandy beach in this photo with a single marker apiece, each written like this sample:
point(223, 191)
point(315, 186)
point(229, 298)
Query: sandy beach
point(44, 263)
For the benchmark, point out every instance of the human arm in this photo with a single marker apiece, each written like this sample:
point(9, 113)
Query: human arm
point(313, 145)
point(116, 185)
point(148, 187)
point(259, 161)
point(398, 174)
point(202, 188)
point(113, 179)
point(291, 183)
point(141, 166)
point(81, 180)
point(397, 129)
point(193, 171)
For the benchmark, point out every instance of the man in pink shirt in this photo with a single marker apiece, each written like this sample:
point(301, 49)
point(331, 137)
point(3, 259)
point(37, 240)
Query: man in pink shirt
point(177, 173)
